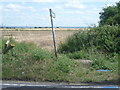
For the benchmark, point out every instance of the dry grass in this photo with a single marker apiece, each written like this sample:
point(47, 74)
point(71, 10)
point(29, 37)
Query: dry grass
point(42, 29)
point(42, 38)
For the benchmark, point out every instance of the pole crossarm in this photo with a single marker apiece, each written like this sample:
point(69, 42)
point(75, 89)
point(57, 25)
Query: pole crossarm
point(52, 14)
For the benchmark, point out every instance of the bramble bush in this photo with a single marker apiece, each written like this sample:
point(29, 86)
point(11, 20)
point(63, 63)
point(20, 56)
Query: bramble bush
point(104, 38)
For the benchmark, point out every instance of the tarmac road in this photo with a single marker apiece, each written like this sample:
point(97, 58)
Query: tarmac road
point(20, 85)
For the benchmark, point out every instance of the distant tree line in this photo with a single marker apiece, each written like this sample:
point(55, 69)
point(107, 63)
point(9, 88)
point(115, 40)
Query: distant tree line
point(110, 15)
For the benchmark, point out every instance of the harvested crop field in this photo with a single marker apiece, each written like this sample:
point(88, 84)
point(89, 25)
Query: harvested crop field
point(42, 38)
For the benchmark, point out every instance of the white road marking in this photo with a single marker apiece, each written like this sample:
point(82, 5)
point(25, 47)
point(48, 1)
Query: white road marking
point(22, 85)
point(63, 86)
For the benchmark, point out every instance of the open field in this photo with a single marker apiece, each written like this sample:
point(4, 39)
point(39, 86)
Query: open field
point(41, 38)
point(41, 29)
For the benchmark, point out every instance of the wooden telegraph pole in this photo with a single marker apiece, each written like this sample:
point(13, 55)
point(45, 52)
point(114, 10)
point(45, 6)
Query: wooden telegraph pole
point(52, 15)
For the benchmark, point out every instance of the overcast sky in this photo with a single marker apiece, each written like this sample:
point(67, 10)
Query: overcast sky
point(69, 13)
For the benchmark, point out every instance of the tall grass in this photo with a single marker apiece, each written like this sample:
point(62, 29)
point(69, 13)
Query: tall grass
point(27, 61)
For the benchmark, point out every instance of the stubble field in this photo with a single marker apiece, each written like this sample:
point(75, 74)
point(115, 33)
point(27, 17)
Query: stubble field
point(43, 38)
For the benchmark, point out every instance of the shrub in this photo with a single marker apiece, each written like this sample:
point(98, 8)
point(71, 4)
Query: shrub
point(77, 55)
point(105, 38)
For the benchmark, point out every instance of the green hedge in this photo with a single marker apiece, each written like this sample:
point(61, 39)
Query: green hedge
point(105, 38)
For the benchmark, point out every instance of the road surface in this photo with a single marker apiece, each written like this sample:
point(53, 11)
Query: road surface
point(19, 85)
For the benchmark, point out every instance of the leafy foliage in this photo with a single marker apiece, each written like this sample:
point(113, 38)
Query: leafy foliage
point(110, 15)
point(104, 38)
